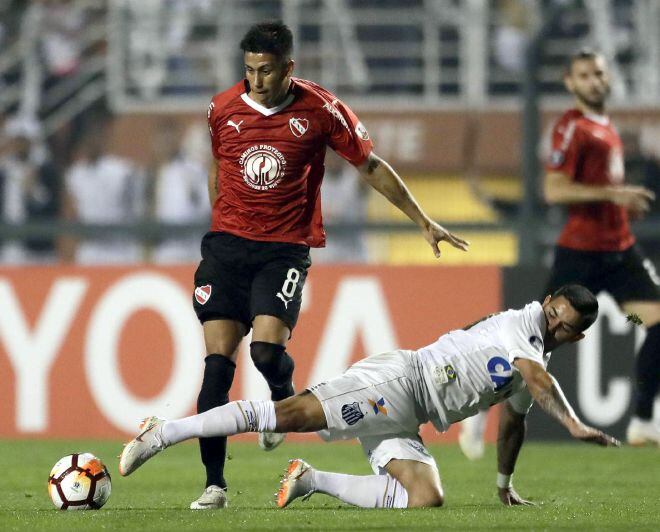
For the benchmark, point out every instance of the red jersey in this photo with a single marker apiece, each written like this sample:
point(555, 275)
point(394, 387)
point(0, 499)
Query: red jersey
point(271, 161)
point(588, 149)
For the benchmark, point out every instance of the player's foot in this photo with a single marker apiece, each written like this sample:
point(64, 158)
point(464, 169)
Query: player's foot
point(296, 482)
point(144, 446)
point(214, 497)
point(471, 437)
point(641, 432)
point(472, 448)
point(270, 440)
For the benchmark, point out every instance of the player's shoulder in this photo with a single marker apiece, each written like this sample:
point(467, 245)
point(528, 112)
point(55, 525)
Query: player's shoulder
point(307, 89)
point(316, 98)
point(568, 121)
point(226, 97)
point(530, 318)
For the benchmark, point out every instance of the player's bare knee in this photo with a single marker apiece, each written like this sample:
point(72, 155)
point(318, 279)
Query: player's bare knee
point(425, 496)
point(420, 480)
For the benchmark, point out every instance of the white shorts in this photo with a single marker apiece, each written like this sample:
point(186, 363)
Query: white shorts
point(381, 449)
point(374, 400)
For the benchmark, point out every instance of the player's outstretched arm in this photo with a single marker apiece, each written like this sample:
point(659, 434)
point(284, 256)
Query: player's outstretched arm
point(510, 438)
point(382, 177)
point(560, 188)
point(546, 392)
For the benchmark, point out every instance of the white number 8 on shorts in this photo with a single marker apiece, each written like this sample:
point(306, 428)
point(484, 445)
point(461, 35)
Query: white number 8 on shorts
point(290, 283)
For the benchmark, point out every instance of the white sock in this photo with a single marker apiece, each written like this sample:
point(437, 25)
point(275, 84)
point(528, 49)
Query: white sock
point(475, 426)
point(236, 417)
point(368, 491)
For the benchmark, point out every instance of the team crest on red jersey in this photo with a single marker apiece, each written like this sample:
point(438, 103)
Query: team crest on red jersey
point(203, 293)
point(263, 166)
point(362, 131)
point(298, 126)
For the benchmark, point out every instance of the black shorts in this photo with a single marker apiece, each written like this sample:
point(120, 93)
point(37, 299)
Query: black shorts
point(627, 275)
point(239, 279)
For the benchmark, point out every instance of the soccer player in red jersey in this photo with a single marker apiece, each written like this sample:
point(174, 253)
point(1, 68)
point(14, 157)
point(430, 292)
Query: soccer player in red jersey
point(269, 135)
point(596, 248)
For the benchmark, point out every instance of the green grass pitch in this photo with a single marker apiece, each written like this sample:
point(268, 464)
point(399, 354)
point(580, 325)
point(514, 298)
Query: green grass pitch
point(575, 486)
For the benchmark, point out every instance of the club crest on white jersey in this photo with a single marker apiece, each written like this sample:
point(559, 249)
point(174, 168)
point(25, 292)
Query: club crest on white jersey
point(263, 166)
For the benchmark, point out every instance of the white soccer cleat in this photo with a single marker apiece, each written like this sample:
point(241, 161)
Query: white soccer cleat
point(143, 447)
point(471, 437)
point(473, 448)
point(296, 482)
point(642, 432)
point(213, 498)
point(270, 440)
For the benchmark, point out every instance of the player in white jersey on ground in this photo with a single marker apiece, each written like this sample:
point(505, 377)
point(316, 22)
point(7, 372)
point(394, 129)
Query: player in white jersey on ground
point(383, 400)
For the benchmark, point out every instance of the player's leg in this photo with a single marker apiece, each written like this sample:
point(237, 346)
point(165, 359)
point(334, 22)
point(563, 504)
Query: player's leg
point(375, 400)
point(636, 286)
point(220, 337)
point(642, 429)
point(471, 437)
point(405, 477)
point(301, 413)
point(275, 304)
point(268, 353)
point(221, 301)
point(420, 480)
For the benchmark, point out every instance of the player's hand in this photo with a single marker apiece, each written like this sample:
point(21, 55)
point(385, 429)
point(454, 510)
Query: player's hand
point(435, 233)
point(634, 199)
point(591, 435)
point(509, 497)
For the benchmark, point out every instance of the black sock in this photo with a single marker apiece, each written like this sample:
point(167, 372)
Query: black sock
point(276, 366)
point(647, 373)
point(218, 376)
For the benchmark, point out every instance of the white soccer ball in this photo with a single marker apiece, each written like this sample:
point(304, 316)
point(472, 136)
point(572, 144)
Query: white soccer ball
point(79, 482)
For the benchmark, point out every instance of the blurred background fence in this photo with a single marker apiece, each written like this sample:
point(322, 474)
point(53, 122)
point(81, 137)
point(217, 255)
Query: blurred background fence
point(104, 149)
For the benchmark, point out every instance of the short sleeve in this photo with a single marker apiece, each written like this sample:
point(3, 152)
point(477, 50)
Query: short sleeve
point(347, 135)
point(522, 337)
point(521, 402)
point(565, 148)
point(211, 117)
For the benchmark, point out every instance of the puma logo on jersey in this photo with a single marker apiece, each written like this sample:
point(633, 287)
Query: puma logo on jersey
point(234, 124)
point(284, 300)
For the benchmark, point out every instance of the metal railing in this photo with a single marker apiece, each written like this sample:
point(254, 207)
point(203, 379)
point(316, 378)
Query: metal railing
point(440, 52)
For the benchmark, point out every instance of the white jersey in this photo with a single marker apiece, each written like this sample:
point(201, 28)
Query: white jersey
point(468, 370)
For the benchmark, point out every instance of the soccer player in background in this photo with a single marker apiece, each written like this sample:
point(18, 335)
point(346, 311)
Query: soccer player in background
point(596, 248)
point(383, 400)
point(269, 135)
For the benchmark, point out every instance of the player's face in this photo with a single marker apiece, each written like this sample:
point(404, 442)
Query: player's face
point(564, 323)
point(589, 81)
point(268, 76)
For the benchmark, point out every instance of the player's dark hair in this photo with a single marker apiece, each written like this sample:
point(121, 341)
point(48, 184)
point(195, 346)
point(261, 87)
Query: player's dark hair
point(583, 54)
point(582, 300)
point(269, 38)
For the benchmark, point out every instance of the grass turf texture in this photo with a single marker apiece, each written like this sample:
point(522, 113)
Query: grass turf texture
point(576, 486)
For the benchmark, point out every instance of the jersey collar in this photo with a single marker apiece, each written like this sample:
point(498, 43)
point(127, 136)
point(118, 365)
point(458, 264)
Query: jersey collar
point(602, 120)
point(267, 111)
point(539, 314)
